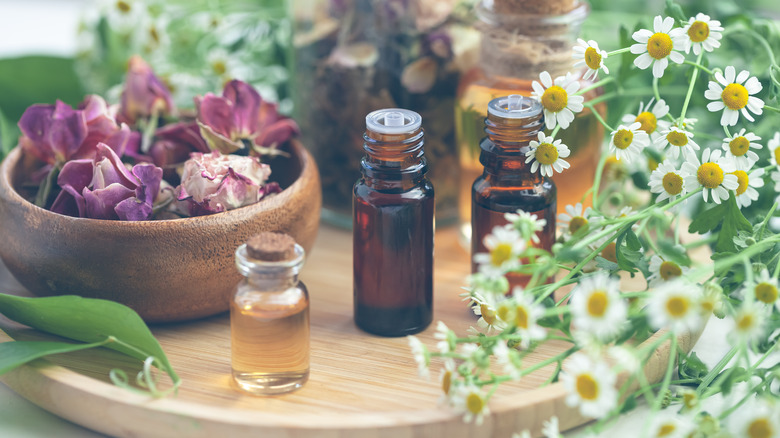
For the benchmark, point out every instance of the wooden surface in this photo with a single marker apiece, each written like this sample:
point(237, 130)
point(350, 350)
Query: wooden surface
point(360, 385)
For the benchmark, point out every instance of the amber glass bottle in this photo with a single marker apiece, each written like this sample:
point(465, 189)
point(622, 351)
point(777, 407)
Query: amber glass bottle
point(521, 39)
point(393, 207)
point(507, 184)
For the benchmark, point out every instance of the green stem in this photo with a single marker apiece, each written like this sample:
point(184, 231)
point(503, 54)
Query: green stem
point(715, 371)
point(690, 88)
point(699, 66)
point(597, 179)
point(771, 108)
point(598, 116)
point(656, 93)
point(618, 51)
point(44, 191)
point(668, 376)
point(598, 84)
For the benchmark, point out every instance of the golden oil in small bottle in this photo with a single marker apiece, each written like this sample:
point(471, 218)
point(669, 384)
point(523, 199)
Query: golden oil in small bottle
point(269, 317)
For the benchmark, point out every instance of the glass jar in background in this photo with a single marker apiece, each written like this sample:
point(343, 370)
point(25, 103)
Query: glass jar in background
point(519, 40)
point(352, 57)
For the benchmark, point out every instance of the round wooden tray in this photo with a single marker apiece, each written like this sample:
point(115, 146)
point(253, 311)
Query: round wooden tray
point(360, 385)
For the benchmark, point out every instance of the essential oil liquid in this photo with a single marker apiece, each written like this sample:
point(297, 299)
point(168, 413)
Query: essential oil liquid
point(393, 260)
point(270, 344)
point(488, 212)
point(583, 137)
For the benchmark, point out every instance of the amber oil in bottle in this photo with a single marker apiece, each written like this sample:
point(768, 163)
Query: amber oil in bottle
point(507, 184)
point(393, 208)
point(269, 317)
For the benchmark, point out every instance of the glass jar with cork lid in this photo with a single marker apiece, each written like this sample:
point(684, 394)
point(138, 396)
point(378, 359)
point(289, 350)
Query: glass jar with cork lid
point(519, 40)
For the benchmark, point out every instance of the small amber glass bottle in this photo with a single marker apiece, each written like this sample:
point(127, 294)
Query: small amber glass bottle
point(269, 317)
point(393, 208)
point(507, 184)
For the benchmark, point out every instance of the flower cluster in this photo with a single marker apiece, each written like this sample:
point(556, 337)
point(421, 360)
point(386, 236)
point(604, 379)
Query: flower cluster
point(142, 158)
point(631, 224)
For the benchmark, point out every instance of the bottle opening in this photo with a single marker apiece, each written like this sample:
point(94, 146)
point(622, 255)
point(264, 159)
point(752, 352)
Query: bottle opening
point(393, 121)
point(514, 107)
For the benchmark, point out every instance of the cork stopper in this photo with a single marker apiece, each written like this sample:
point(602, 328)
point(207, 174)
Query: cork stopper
point(271, 247)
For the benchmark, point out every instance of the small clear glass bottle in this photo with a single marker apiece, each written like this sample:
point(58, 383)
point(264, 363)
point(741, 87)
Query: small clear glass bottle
point(269, 317)
point(507, 184)
point(393, 223)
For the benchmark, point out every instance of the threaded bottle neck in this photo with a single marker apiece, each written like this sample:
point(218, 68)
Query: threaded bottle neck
point(393, 143)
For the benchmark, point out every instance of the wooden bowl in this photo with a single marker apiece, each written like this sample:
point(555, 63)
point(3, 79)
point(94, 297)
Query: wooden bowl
point(167, 270)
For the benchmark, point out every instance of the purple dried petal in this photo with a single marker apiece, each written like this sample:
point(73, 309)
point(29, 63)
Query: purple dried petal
point(100, 203)
point(218, 142)
point(76, 174)
point(149, 177)
point(246, 107)
point(217, 113)
point(277, 133)
point(52, 133)
point(109, 169)
point(133, 209)
point(186, 133)
point(144, 93)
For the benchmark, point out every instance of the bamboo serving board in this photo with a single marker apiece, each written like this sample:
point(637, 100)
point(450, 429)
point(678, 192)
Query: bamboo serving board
point(360, 385)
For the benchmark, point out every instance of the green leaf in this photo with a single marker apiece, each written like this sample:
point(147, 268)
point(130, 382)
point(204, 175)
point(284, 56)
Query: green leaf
point(8, 135)
point(629, 404)
point(691, 367)
point(674, 10)
point(707, 221)
point(733, 222)
point(673, 252)
point(17, 353)
point(88, 320)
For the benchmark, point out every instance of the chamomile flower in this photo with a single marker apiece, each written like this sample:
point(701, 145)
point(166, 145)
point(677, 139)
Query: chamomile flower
point(597, 307)
point(505, 357)
point(765, 289)
point(774, 149)
point(775, 175)
point(547, 155)
point(667, 181)
point(488, 321)
point(470, 401)
point(674, 305)
point(446, 377)
point(575, 219)
point(748, 323)
point(670, 425)
point(504, 246)
point(656, 48)
point(421, 356)
point(558, 99)
point(702, 33)
point(739, 146)
point(628, 142)
point(523, 313)
point(756, 419)
point(446, 338)
point(748, 183)
point(650, 120)
point(711, 173)
point(730, 95)
point(527, 224)
point(550, 428)
point(591, 57)
point(678, 141)
point(589, 385)
point(711, 301)
point(625, 358)
point(664, 270)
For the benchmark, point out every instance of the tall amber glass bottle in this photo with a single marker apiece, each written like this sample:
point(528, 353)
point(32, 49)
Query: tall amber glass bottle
point(507, 184)
point(521, 39)
point(393, 207)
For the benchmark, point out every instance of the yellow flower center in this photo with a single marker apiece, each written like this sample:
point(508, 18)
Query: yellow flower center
point(777, 155)
point(699, 31)
point(505, 313)
point(690, 400)
point(677, 138)
point(766, 293)
point(546, 153)
point(592, 58)
point(521, 317)
point(123, 7)
point(154, 35)
point(648, 121)
point(710, 175)
point(587, 387)
point(474, 403)
point(669, 270)
point(659, 45)
point(739, 146)
point(597, 303)
point(219, 67)
point(760, 428)
point(446, 381)
point(673, 183)
point(742, 179)
point(745, 322)
point(623, 139)
point(666, 429)
point(652, 164)
point(677, 306)
point(488, 314)
point(500, 254)
point(576, 223)
point(735, 96)
point(555, 99)
point(609, 252)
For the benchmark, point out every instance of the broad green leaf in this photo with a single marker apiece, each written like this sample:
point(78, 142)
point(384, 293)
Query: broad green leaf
point(707, 221)
point(17, 353)
point(733, 222)
point(674, 10)
point(673, 252)
point(691, 367)
point(88, 320)
point(8, 135)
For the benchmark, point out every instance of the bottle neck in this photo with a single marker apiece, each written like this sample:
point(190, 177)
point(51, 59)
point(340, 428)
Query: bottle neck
point(507, 141)
point(393, 160)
